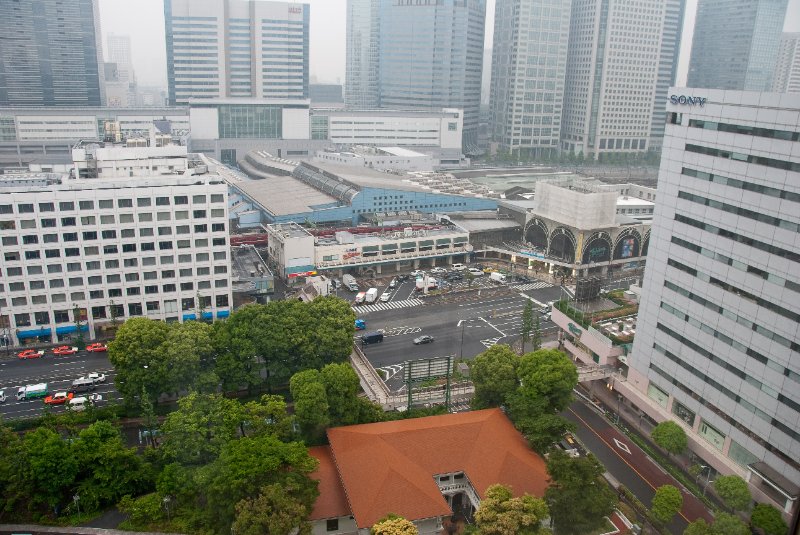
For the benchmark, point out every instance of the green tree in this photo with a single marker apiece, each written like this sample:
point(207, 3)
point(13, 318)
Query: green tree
point(341, 390)
point(245, 467)
point(393, 524)
point(108, 469)
point(547, 376)
point(768, 519)
point(273, 512)
point(494, 374)
point(698, 527)
point(527, 325)
point(143, 511)
point(50, 469)
point(670, 436)
point(196, 432)
point(667, 501)
point(734, 492)
point(543, 430)
point(188, 353)
point(311, 409)
point(268, 416)
point(14, 491)
point(138, 359)
point(470, 277)
point(502, 514)
point(236, 349)
point(536, 339)
point(727, 524)
point(578, 497)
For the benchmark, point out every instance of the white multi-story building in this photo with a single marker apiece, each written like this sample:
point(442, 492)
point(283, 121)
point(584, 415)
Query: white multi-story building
point(112, 249)
point(717, 346)
point(787, 69)
point(613, 71)
point(236, 48)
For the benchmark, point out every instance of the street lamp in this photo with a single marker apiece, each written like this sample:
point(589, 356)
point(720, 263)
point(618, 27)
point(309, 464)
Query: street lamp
point(619, 401)
point(166, 501)
point(76, 499)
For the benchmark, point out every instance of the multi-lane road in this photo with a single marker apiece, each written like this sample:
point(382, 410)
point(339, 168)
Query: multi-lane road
point(463, 322)
point(58, 372)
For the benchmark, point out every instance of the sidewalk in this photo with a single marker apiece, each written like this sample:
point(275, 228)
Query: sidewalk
point(693, 507)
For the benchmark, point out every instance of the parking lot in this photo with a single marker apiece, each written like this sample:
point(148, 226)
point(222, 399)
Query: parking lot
point(464, 320)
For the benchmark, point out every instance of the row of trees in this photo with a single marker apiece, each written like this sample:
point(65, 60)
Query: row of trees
point(258, 344)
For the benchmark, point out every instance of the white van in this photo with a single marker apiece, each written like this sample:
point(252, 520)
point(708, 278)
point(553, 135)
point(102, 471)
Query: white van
point(2, 396)
point(458, 267)
point(78, 404)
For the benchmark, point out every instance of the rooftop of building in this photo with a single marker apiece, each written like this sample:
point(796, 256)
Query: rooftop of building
point(447, 112)
point(388, 236)
point(613, 314)
point(239, 101)
point(332, 500)
point(392, 466)
point(481, 221)
point(89, 110)
point(627, 200)
point(247, 263)
point(288, 230)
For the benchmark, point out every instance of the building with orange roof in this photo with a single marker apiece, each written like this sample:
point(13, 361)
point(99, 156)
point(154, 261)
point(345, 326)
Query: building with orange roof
point(422, 469)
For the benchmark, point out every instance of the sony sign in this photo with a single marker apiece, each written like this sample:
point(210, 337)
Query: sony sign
point(684, 99)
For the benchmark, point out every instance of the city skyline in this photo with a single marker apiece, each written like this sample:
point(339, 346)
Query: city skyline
point(144, 22)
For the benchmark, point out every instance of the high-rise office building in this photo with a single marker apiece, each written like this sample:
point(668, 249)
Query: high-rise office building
point(529, 58)
point(735, 44)
point(787, 69)
point(361, 74)
point(429, 53)
point(50, 54)
point(717, 344)
point(236, 48)
point(613, 69)
point(118, 50)
point(667, 67)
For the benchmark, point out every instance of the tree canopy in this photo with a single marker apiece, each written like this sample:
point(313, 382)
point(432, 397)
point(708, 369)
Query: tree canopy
point(494, 374)
point(670, 436)
point(667, 501)
point(393, 524)
point(578, 497)
point(734, 492)
point(768, 519)
point(502, 514)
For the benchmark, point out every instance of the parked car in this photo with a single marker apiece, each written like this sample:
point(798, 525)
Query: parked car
point(424, 339)
point(475, 271)
point(65, 350)
point(403, 278)
point(59, 398)
point(417, 273)
point(97, 377)
point(96, 348)
point(438, 271)
point(393, 283)
point(489, 269)
point(458, 267)
point(30, 354)
point(455, 276)
point(385, 296)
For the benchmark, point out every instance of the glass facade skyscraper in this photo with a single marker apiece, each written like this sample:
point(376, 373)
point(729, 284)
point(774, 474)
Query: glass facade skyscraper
point(529, 58)
point(736, 44)
point(429, 56)
point(51, 53)
point(236, 48)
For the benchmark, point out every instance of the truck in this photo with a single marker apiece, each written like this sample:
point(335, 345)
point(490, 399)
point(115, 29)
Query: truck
point(360, 297)
point(432, 283)
point(350, 283)
point(372, 295)
point(497, 277)
point(32, 391)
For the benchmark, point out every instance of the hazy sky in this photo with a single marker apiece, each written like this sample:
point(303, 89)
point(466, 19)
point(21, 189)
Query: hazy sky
point(143, 20)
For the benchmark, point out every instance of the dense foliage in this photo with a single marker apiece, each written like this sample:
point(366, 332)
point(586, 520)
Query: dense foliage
point(670, 436)
point(534, 388)
point(258, 344)
point(502, 514)
point(667, 501)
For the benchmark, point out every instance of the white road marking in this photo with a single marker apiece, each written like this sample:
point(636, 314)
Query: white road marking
point(363, 309)
point(621, 445)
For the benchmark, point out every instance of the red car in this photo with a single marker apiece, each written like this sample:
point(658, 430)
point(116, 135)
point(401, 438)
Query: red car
point(59, 398)
point(30, 354)
point(65, 350)
point(96, 348)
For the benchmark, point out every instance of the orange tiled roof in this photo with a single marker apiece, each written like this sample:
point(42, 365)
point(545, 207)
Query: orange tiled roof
point(389, 467)
point(331, 503)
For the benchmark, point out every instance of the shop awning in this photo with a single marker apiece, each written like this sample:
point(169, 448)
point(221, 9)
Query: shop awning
point(33, 333)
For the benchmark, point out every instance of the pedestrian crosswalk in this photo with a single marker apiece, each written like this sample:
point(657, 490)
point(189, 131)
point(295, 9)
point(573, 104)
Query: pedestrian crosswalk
point(363, 309)
point(532, 286)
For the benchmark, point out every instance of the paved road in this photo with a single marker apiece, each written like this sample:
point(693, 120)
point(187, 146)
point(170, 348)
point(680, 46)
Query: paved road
point(58, 372)
point(464, 322)
point(629, 465)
